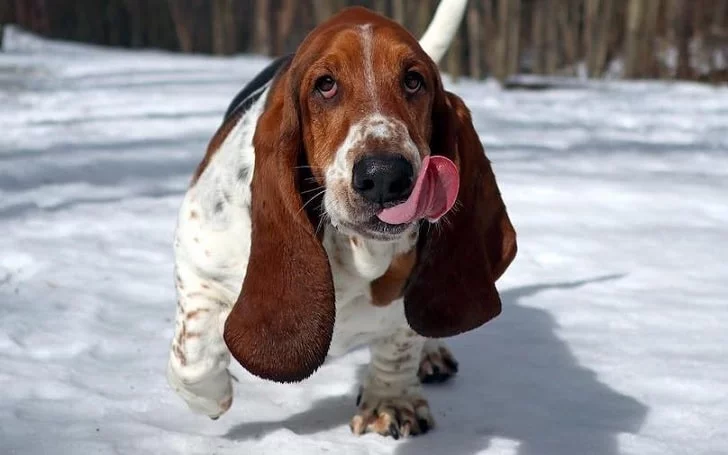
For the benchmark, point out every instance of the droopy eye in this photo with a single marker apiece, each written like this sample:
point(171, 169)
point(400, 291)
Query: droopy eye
point(326, 85)
point(412, 82)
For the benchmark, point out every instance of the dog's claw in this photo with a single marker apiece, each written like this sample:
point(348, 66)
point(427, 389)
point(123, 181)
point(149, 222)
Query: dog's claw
point(437, 365)
point(396, 417)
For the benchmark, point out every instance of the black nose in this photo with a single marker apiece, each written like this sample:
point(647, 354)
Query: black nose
point(383, 178)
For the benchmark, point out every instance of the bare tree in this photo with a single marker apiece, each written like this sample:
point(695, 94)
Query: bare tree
point(538, 32)
point(223, 26)
point(633, 44)
point(489, 37)
point(398, 11)
point(567, 18)
point(591, 10)
point(500, 70)
point(551, 47)
point(191, 23)
point(7, 15)
point(323, 9)
point(286, 14)
point(599, 38)
point(474, 51)
point(556, 34)
point(514, 36)
point(424, 15)
point(261, 34)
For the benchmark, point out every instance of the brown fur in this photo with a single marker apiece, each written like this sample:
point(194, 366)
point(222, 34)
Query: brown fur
point(452, 289)
point(388, 287)
point(282, 323)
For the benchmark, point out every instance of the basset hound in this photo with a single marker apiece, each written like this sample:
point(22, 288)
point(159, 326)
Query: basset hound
point(346, 200)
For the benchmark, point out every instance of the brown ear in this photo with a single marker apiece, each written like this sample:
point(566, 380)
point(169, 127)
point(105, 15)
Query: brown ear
point(281, 326)
point(452, 288)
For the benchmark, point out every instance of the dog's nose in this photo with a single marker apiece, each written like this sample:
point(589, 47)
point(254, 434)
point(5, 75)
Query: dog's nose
point(383, 178)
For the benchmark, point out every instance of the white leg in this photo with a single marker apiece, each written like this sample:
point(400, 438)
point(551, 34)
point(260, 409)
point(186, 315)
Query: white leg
point(391, 402)
point(198, 359)
point(437, 363)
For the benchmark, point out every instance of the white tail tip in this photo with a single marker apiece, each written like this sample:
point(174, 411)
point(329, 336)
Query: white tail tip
point(442, 29)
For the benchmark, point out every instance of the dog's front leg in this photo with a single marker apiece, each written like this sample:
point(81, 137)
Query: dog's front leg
point(198, 358)
point(391, 401)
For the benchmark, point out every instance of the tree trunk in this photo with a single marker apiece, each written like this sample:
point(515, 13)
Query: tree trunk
point(261, 34)
point(7, 15)
point(551, 46)
point(181, 25)
point(720, 16)
point(489, 38)
point(501, 52)
point(398, 11)
point(538, 21)
point(591, 9)
point(670, 41)
point(286, 15)
point(424, 15)
point(323, 9)
point(514, 33)
point(563, 16)
point(473, 26)
point(380, 6)
point(649, 38)
point(601, 37)
point(224, 36)
point(633, 45)
point(683, 39)
point(136, 31)
point(453, 59)
point(33, 15)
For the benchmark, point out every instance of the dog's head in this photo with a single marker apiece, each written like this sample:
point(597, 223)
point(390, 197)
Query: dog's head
point(359, 132)
point(361, 94)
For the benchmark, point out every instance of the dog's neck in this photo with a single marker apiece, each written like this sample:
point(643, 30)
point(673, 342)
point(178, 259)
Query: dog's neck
point(363, 257)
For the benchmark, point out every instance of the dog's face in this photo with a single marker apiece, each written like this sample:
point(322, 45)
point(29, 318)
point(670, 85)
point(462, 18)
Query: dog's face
point(365, 96)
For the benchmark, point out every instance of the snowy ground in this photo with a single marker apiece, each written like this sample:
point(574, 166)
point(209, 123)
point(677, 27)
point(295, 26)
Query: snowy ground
point(613, 338)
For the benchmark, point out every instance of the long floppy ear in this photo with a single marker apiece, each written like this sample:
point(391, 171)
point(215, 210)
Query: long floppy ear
point(281, 326)
point(452, 288)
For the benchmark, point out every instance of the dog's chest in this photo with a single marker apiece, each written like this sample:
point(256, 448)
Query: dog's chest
point(355, 263)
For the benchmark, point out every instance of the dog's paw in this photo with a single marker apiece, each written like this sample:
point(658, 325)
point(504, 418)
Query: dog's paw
point(437, 363)
point(392, 416)
point(212, 396)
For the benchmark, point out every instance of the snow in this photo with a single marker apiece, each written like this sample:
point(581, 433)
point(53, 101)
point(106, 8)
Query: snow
point(612, 340)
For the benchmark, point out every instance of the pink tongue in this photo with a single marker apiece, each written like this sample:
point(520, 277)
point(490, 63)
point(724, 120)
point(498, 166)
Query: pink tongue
point(433, 195)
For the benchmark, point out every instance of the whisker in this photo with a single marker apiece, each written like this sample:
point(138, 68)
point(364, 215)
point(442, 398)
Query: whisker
point(324, 215)
point(312, 189)
point(312, 199)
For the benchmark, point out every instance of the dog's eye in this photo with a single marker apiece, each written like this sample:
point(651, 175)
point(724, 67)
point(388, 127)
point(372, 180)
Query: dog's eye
point(326, 86)
point(412, 82)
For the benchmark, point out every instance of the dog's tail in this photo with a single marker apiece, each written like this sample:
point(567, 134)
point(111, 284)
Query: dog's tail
point(442, 29)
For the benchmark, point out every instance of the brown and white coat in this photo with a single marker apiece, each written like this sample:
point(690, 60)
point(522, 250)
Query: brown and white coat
point(278, 261)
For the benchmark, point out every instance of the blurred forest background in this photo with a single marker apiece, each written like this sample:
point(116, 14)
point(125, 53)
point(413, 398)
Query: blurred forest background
point(666, 39)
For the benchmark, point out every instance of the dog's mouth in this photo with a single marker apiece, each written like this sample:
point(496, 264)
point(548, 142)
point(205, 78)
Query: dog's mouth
point(375, 229)
point(434, 193)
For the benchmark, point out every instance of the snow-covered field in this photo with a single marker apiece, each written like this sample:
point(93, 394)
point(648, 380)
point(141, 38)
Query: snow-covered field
point(614, 334)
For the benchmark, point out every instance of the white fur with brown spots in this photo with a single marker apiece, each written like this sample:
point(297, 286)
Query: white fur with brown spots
point(212, 248)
